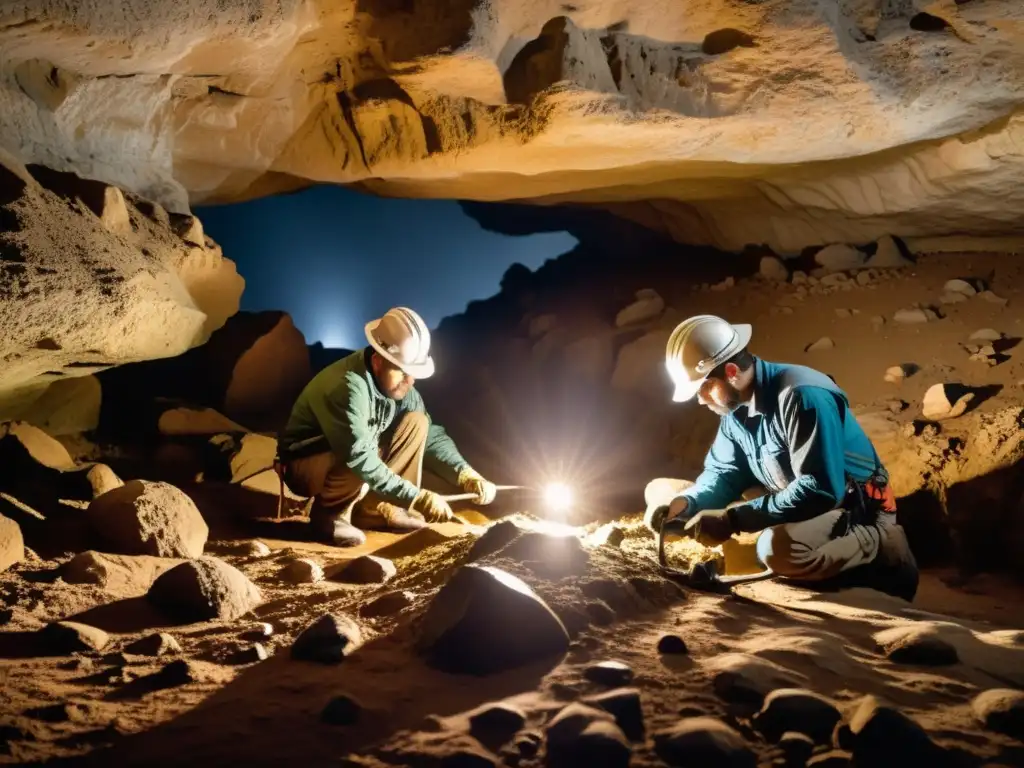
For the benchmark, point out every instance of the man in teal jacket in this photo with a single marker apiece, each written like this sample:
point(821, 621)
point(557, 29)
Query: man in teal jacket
point(359, 434)
point(829, 514)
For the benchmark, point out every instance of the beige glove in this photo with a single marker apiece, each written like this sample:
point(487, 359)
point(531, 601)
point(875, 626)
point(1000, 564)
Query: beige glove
point(470, 481)
point(433, 507)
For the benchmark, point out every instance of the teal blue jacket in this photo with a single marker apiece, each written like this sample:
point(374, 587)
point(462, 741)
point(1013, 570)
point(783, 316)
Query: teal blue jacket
point(343, 411)
point(797, 438)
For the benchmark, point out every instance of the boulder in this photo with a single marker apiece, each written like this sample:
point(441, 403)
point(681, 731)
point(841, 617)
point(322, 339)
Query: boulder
point(703, 741)
point(888, 255)
point(302, 570)
point(495, 723)
point(773, 268)
point(126, 575)
point(68, 406)
point(484, 620)
point(919, 646)
point(551, 553)
point(12, 545)
point(328, 640)
point(366, 569)
point(648, 306)
point(1001, 710)
point(73, 637)
point(146, 518)
point(203, 589)
point(796, 709)
point(839, 258)
point(945, 401)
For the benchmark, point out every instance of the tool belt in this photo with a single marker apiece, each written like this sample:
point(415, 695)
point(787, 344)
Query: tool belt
point(864, 502)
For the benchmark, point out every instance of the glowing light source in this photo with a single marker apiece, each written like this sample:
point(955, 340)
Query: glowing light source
point(558, 497)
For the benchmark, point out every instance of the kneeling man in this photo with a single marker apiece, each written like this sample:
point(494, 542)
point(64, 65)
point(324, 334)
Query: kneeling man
point(829, 515)
point(359, 433)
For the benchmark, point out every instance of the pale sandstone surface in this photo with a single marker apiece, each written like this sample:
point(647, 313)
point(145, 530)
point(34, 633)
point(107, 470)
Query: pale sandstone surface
point(787, 122)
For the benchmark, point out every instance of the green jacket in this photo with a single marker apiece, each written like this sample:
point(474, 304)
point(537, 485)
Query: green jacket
point(343, 411)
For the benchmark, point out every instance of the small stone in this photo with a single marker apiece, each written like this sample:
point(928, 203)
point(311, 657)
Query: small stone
point(883, 736)
point(703, 741)
point(261, 630)
point(600, 613)
point(877, 322)
point(961, 287)
point(672, 644)
point(725, 285)
point(497, 536)
point(986, 334)
point(366, 569)
point(896, 406)
point(799, 277)
point(993, 298)
point(608, 535)
point(796, 709)
point(980, 357)
point(157, 644)
point(495, 723)
point(179, 672)
point(256, 548)
point(583, 735)
point(610, 673)
point(897, 373)
point(938, 405)
point(1001, 710)
point(820, 345)
point(72, 637)
point(341, 710)
point(911, 645)
point(864, 277)
point(773, 268)
point(839, 257)
point(387, 605)
point(838, 280)
point(843, 313)
point(328, 640)
point(913, 316)
point(797, 747)
point(302, 571)
point(252, 654)
point(624, 705)
point(949, 297)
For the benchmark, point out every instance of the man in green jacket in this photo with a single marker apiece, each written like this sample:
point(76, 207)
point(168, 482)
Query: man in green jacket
point(359, 433)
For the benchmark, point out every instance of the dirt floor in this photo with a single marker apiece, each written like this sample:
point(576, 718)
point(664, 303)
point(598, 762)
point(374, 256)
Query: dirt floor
point(231, 702)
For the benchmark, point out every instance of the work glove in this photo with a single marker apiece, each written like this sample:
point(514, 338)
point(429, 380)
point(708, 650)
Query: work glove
point(710, 527)
point(655, 518)
point(433, 507)
point(470, 481)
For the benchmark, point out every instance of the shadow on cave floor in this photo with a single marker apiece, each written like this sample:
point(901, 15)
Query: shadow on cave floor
point(274, 707)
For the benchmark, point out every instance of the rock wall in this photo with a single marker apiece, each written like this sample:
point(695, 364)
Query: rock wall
point(91, 278)
point(784, 122)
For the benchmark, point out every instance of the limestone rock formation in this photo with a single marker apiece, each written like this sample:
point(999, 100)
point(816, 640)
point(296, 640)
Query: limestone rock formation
point(206, 588)
point(90, 278)
point(714, 121)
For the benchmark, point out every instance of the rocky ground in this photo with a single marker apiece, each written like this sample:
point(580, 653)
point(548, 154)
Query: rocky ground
point(150, 622)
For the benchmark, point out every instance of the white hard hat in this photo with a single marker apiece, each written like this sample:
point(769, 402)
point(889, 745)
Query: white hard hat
point(402, 338)
point(697, 346)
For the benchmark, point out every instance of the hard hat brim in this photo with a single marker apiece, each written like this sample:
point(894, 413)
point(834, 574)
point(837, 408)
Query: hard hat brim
point(686, 390)
point(423, 370)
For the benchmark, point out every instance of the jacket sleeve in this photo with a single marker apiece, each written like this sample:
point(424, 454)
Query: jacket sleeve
point(813, 426)
point(344, 415)
point(726, 475)
point(440, 454)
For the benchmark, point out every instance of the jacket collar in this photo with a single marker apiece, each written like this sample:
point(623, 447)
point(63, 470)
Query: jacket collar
point(368, 370)
point(756, 407)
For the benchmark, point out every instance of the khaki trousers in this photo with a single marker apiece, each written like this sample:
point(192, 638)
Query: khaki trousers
point(336, 488)
point(812, 550)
